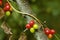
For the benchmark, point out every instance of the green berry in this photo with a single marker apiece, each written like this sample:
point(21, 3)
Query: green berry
point(35, 26)
point(7, 13)
point(32, 30)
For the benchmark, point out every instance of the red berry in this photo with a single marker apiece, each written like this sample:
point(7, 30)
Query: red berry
point(52, 31)
point(31, 22)
point(6, 3)
point(47, 31)
point(0, 0)
point(7, 7)
point(28, 26)
point(0, 3)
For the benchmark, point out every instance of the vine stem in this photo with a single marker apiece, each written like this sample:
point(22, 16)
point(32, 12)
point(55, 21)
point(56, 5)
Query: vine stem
point(23, 13)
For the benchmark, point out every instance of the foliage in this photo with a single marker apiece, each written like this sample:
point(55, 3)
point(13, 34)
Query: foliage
point(45, 10)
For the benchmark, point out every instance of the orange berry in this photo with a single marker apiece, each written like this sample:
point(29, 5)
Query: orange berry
point(50, 36)
point(10, 9)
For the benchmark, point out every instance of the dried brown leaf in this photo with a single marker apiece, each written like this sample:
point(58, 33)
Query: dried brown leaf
point(1, 13)
point(23, 36)
point(5, 28)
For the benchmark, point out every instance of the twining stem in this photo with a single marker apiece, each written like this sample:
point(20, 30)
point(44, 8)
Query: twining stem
point(23, 13)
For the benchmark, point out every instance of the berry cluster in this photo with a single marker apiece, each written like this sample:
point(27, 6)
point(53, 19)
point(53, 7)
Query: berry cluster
point(6, 8)
point(49, 32)
point(32, 26)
